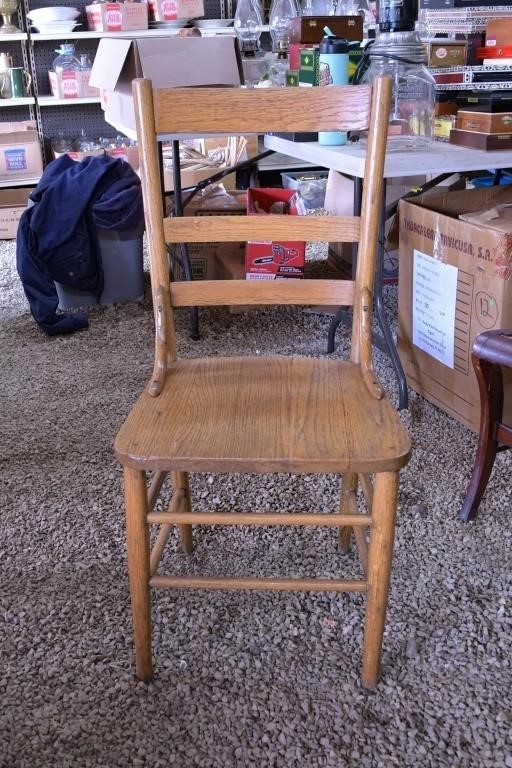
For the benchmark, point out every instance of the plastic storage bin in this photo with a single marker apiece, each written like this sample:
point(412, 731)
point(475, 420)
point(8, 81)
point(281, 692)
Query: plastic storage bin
point(311, 186)
point(123, 271)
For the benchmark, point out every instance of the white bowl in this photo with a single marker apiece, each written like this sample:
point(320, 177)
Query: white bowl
point(49, 15)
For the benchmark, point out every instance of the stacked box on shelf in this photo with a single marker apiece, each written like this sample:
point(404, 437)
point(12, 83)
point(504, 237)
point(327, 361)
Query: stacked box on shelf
point(117, 17)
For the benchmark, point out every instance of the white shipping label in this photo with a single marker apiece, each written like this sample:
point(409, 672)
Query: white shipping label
point(434, 287)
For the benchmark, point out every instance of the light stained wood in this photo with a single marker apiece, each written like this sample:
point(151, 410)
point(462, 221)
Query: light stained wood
point(159, 547)
point(380, 553)
point(181, 488)
point(281, 585)
point(260, 518)
point(367, 486)
point(155, 487)
point(202, 293)
point(137, 541)
point(348, 487)
point(266, 110)
point(262, 414)
point(207, 229)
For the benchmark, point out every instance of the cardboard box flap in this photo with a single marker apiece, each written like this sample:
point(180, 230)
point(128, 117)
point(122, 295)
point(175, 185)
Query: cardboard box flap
point(498, 218)
point(216, 61)
point(23, 127)
point(463, 201)
point(109, 61)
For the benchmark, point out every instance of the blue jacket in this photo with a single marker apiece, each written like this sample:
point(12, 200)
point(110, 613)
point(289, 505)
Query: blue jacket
point(57, 237)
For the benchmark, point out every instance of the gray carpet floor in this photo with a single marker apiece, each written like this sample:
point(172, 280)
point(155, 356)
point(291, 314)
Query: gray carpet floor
point(242, 679)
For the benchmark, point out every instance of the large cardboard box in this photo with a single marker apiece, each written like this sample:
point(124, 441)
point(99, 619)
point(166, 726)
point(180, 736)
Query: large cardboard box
point(20, 151)
point(167, 62)
point(455, 282)
point(168, 10)
point(117, 17)
point(268, 260)
point(204, 257)
point(12, 204)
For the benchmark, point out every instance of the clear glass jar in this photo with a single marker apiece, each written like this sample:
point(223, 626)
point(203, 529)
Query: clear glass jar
point(402, 56)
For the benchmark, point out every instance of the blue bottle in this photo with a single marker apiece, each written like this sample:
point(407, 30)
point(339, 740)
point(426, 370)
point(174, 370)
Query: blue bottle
point(333, 70)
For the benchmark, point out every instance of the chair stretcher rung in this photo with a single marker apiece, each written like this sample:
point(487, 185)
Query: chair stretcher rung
point(285, 585)
point(258, 518)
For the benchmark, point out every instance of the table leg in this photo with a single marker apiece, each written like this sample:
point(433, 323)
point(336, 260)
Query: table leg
point(381, 313)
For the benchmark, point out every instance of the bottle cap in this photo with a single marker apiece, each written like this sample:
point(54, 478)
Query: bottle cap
point(331, 44)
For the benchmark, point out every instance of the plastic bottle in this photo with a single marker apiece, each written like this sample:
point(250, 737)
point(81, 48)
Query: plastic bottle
point(333, 70)
point(66, 66)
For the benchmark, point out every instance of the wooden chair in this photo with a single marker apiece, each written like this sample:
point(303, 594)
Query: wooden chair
point(492, 351)
point(261, 414)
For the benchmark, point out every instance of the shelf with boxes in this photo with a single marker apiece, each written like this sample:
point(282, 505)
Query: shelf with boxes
point(53, 112)
point(18, 106)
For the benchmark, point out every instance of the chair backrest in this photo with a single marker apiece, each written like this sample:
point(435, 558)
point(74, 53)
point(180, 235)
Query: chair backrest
point(171, 112)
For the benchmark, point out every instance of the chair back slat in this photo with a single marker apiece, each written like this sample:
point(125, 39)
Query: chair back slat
point(265, 110)
point(205, 229)
point(200, 293)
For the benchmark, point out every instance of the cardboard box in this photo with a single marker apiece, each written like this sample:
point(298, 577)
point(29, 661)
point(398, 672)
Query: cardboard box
point(498, 32)
point(12, 204)
point(168, 62)
point(267, 260)
point(455, 282)
point(168, 10)
point(20, 151)
point(339, 201)
point(204, 256)
point(309, 66)
point(310, 29)
point(117, 17)
point(72, 84)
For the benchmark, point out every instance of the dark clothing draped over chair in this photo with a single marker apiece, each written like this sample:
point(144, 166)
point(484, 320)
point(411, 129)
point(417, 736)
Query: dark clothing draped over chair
point(57, 235)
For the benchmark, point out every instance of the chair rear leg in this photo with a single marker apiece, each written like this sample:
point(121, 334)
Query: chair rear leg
point(180, 480)
point(380, 553)
point(137, 539)
point(348, 486)
point(490, 383)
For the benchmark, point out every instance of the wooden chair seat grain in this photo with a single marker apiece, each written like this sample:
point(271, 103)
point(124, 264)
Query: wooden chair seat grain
point(278, 414)
point(255, 413)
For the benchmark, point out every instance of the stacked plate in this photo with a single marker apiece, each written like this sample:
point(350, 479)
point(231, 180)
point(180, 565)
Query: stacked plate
point(55, 27)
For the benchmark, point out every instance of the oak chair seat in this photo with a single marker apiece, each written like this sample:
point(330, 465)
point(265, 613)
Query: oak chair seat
point(240, 414)
point(252, 413)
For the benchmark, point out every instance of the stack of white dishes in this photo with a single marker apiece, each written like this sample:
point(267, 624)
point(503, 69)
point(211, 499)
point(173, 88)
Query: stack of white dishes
point(54, 20)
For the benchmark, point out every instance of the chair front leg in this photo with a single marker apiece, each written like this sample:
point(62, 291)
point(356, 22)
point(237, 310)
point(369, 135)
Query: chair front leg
point(380, 553)
point(490, 384)
point(137, 540)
